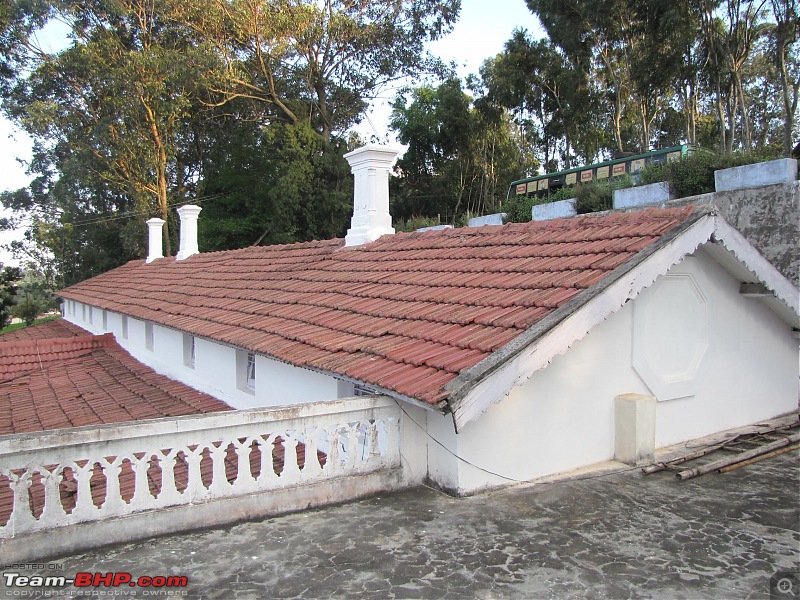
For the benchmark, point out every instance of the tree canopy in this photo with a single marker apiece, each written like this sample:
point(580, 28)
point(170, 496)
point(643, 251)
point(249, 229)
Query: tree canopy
point(152, 101)
point(246, 107)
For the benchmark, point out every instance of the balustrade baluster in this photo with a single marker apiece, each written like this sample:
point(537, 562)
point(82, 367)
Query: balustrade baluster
point(22, 519)
point(84, 506)
point(142, 498)
point(291, 471)
point(53, 513)
point(353, 450)
point(375, 441)
point(195, 490)
point(333, 462)
point(113, 505)
point(244, 476)
point(311, 466)
point(219, 484)
point(267, 478)
point(169, 492)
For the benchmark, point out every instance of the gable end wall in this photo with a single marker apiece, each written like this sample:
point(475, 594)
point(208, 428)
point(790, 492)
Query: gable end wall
point(562, 418)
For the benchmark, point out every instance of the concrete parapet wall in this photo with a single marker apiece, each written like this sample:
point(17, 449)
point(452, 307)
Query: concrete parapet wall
point(771, 172)
point(554, 210)
point(769, 217)
point(642, 195)
point(79, 537)
point(434, 228)
point(495, 219)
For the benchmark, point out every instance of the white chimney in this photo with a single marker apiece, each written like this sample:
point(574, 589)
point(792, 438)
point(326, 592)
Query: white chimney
point(188, 241)
point(155, 241)
point(371, 219)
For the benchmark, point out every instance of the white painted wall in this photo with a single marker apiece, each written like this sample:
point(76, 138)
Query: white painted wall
point(563, 417)
point(281, 383)
point(751, 369)
point(215, 368)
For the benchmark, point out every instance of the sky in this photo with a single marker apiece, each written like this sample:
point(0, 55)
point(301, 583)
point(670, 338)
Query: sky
point(480, 33)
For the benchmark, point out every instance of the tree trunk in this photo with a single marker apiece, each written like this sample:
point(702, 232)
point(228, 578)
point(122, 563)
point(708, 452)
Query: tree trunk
point(789, 90)
point(746, 141)
point(322, 104)
point(723, 123)
point(162, 196)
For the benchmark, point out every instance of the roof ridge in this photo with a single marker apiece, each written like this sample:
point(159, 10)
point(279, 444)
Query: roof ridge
point(39, 345)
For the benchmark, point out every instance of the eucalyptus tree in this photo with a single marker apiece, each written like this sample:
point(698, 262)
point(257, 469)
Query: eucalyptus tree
point(318, 61)
point(461, 154)
point(134, 116)
point(784, 41)
point(629, 52)
point(115, 102)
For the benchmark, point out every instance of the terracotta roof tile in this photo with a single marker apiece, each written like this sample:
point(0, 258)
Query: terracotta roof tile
point(57, 328)
point(84, 380)
point(406, 312)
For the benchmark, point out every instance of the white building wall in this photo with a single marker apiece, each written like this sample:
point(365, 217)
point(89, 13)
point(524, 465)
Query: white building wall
point(751, 369)
point(215, 370)
point(414, 441)
point(281, 383)
point(443, 451)
point(563, 417)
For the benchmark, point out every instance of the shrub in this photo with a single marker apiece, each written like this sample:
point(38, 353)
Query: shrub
point(693, 175)
point(593, 197)
point(28, 308)
point(518, 209)
point(598, 195)
point(414, 223)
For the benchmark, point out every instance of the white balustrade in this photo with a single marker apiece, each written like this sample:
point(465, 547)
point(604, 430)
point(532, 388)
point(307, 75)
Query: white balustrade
point(59, 478)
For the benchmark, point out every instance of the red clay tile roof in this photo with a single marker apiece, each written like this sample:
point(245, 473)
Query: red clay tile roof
point(405, 313)
point(57, 328)
point(18, 358)
point(85, 380)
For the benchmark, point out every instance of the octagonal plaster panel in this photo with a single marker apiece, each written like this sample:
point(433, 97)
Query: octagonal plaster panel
point(670, 335)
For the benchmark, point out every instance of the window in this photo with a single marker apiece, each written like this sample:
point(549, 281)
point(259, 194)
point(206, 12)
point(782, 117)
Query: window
point(250, 381)
point(148, 336)
point(124, 327)
point(188, 350)
point(90, 315)
point(83, 312)
point(105, 320)
point(246, 371)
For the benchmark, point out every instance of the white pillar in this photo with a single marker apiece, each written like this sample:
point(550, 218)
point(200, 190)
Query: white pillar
point(188, 234)
point(635, 425)
point(155, 241)
point(371, 219)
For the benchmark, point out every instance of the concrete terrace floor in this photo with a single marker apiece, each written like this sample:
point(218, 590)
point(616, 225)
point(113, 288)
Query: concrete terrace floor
point(619, 535)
